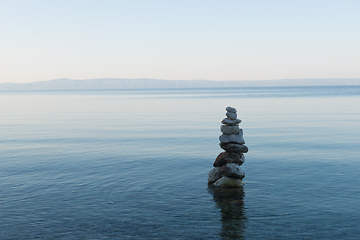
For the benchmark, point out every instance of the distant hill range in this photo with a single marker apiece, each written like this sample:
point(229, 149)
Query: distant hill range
point(116, 83)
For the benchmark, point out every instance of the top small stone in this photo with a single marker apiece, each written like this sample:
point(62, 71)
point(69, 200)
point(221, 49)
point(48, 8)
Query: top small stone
point(231, 109)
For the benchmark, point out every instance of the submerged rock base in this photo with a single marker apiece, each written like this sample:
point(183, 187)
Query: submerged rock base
point(227, 172)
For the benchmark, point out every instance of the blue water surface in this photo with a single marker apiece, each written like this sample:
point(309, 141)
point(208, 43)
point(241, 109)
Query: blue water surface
point(133, 164)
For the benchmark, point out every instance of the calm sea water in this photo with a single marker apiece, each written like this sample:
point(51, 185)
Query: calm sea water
point(134, 164)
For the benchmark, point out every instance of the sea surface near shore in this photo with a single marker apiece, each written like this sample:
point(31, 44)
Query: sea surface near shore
point(133, 164)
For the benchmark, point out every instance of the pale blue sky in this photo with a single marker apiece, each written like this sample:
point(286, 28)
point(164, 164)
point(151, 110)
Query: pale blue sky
point(179, 40)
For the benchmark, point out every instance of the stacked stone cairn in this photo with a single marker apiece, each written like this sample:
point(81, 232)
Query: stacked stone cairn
point(227, 172)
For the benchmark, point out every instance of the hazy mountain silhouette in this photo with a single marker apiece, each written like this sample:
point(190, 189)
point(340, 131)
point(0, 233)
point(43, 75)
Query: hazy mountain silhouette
point(116, 83)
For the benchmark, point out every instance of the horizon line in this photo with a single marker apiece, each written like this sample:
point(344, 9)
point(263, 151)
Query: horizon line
point(115, 78)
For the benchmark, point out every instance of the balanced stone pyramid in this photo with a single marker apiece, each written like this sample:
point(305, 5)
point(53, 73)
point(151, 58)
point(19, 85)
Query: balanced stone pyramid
point(227, 172)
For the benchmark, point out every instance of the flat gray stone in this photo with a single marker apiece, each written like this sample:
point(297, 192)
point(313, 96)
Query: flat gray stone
point(226, 182)
point(234, 147)
point(214, 175)
point(231, 109)
point(231, 115)
point(232, 138)
point(229, 122)
point(229, 129)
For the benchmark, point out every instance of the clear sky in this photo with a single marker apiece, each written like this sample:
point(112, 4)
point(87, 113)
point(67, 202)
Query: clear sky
point(179, 40)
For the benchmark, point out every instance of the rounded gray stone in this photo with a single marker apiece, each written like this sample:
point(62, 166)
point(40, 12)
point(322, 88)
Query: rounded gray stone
point(229, 129)
point(232, 138)
point(234, 147)
point(232, 170)
point(231, 109)
point(214, 175)
point(230, 122)
point(231, 115)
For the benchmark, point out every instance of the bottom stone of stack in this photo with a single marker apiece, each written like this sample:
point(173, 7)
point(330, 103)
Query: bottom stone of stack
point(228, 175)
point(227, 182)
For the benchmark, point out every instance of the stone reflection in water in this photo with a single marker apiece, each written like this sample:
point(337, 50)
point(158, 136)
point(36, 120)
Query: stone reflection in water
point(230, 201)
